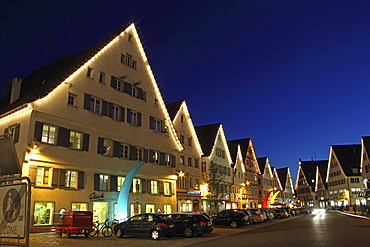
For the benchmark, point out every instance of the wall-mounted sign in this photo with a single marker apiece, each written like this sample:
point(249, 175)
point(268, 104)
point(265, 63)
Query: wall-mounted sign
point(96, 197)
point(194, 193)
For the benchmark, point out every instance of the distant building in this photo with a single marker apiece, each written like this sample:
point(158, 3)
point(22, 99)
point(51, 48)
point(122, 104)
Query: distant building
point(267, 183)
point(287, 192)
point(365, 166)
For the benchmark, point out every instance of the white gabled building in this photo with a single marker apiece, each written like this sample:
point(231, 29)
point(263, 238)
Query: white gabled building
point(83, 121)
point(188, 165)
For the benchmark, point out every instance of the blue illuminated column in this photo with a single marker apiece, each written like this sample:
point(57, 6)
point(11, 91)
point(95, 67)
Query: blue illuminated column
point(122, 202)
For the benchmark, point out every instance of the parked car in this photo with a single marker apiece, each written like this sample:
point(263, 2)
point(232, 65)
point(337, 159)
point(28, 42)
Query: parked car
point(259, 211)
point(280, 213)
point(269, 213)
point(248, 213)
point(153, 225)
point(257, 217)
point(230, 217)
point(189, 224)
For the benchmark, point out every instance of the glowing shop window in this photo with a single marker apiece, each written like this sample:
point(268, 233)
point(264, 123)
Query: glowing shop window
point(79, 206)
point(149, 208)
point(43, 213)
point(120, 181)
point(167, 209)
point(100, 211)
point(135, 209)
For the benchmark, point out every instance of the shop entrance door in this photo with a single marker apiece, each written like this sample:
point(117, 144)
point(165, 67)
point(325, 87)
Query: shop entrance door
point(100, 211)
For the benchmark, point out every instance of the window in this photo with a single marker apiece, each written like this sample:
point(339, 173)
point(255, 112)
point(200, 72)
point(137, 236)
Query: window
point(44, 213)
point(108, 147)
point(182, 159)
point(120, 181)
point(204, 166)
point(167, 159)
point(181, 182)
point(157, 125)
point(133, 91)
point(189, 142)
point(130, 37)
point(154, 187)
point(136, 185)
point(125, 151)
point(101, 77)
point(182, 139)
point(49, 134)
point(71, 179)
point(79, 206)
point(95, 105)
point(139, 154)
point(75, 140)
point(167, 188)
point(182, 119)
point(155, 157)
point(149, 208)
point(133, 65)
point(89, 72)
point(196, 163)
point(167, 208)
point(115, 112)
point(190, 182)
point(133, 117)
point(190, 161)
point(71, 99)
point(43, 176)
point(103, 182)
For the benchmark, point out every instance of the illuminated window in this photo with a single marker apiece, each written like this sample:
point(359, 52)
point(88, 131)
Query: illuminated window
point(43, 176)
point(79, 206)
point(71, 99)
point(167, 208)
point(120, 181)
point(167, 159)
point(103, 182)
point(155, 157)
point(154, 187)
point(49, 134)
point(108, 147)
point(149, 208)
point(75, 140)
point(43, 213)
point(167, 188)
point(95, 105)
point(101, 77)
point(182, 159)
point(71, 179)
point(136, 185)
point(125, 151)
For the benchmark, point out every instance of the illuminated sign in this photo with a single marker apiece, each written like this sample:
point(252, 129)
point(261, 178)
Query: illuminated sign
point(193, 193)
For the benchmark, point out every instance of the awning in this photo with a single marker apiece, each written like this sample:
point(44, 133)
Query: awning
point(277, 204)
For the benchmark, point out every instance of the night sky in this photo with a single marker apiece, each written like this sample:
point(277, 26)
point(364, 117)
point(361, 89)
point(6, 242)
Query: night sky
point(292, 75)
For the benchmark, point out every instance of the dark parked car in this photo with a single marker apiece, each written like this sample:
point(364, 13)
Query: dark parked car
point(189, 224)
point(230, 217)
point(280, 213)
point(153, 225)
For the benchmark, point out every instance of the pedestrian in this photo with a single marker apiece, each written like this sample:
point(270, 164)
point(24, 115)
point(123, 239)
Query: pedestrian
point(354, 208)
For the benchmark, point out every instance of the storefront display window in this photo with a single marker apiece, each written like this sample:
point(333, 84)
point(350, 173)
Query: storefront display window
point(79, 206)
point(100, 211)
point(43, 213)
point(167, 209)
point(150, 208)
point(135, 209)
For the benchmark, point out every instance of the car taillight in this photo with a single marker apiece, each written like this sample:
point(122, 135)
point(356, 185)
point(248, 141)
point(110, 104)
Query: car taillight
point(243, 218)
point(162, 224)
point(258, 216)
point(202, 223)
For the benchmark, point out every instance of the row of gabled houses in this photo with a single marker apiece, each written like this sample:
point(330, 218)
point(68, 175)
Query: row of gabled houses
point(342, 181)
point(81, 123)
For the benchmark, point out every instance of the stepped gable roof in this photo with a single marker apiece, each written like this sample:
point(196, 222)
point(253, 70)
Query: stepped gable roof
point(366, 142)
point(283, 175)
point(244, 144)
point(207, 135)
point(233, 149)
point(173, 108)
point(262, 163)
point(349, 157)
point(43, 80)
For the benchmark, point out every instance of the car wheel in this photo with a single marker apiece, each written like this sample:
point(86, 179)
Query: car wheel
point(234, 224)
point(188, 232)
point(119, 233)
point(155, 235)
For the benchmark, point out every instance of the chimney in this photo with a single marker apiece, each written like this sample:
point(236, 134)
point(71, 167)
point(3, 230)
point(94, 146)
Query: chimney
point(16, 89)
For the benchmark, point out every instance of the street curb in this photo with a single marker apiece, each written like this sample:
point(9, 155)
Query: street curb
point(355, 215)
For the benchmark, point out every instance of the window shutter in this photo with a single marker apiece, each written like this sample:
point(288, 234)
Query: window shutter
point(145, 158)
point(132, 152)
point(161, 187)
point(151, 122)
point(62, 178)
point(96, 181)
point(113, 82)
point(113, 183)
point(100, 145)
point(32, 174)
point(55, 178)
point(117, 149)
point(162, 159)
point(63, 137)
point(81, 180)
point(104, 111)
point(127, 87)
point(85, 142)
point(16, 134)
point(173, 161)
point(87, 99)
point(38, 130)
point(148, 186)
point(128, 115)
point(110, 109)
point(139, 119)
point(122, 116)
point(151, 156)
point(144, 185)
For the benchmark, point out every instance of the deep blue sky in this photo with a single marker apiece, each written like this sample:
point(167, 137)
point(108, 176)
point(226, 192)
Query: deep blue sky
point(292, 75)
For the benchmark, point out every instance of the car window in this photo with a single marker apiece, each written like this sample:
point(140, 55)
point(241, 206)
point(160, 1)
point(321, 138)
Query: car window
point(135, 218)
